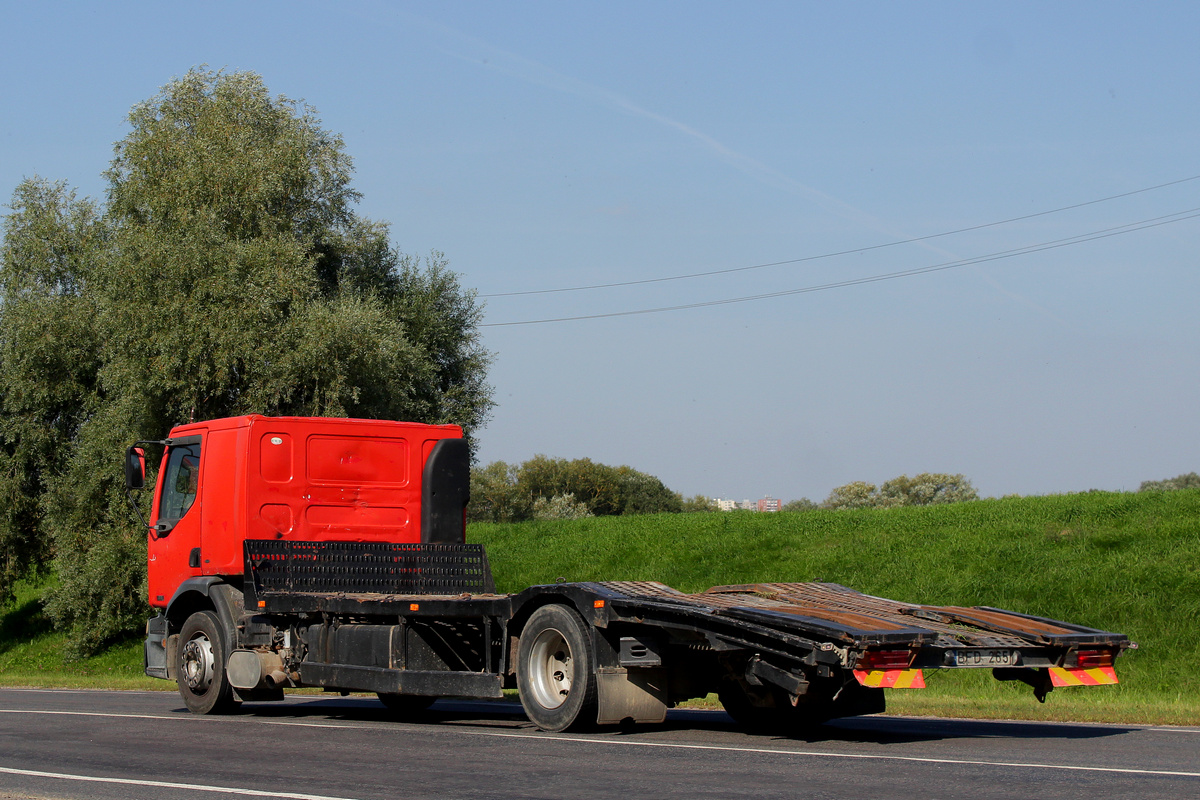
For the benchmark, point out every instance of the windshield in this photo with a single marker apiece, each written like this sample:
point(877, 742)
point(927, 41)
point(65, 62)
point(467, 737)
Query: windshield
point(179, 483)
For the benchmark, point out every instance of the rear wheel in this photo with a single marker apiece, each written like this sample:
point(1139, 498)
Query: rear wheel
point(200, 670)
point(556, 670)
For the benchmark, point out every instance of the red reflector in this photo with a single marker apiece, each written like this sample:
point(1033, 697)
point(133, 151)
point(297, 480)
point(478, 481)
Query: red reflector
point(885, 659)
point(1091, 659)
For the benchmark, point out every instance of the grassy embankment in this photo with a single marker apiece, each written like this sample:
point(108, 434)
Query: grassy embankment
point(1117, 561)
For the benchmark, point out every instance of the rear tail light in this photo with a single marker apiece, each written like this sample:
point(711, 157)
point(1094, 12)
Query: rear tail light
point(885, 659)
point(1091, 659)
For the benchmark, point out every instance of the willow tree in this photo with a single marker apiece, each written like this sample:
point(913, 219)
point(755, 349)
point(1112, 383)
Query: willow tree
point(226, 273)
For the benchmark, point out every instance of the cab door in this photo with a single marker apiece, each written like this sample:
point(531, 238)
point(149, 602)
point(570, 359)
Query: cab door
point(174, 546)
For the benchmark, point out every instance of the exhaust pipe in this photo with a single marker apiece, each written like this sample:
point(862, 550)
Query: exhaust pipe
point(256, 669)
point(275, 679)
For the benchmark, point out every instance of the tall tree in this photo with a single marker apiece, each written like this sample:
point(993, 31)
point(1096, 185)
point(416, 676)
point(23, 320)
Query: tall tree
point(49, 357)
point(226, 274)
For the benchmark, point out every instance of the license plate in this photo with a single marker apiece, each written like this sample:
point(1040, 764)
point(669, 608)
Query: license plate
point(984, 658)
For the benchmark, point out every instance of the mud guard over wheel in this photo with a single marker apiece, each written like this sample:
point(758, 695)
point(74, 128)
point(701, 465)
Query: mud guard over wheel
point(556, 670)
point(200, 669)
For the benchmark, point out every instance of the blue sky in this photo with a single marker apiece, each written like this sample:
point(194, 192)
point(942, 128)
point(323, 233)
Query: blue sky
point(546, 146)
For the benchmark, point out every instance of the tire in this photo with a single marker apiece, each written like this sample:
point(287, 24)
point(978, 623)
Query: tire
point(200, 669)
point(405, 705)
point(556, 674)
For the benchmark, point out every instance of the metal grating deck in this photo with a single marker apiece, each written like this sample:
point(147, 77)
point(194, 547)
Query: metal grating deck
point(366, 568)
point(860, 614)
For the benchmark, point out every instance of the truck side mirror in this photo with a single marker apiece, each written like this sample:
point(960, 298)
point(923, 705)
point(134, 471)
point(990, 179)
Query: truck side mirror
point(135, 468)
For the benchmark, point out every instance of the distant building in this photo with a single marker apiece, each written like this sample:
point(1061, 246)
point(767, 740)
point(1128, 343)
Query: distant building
point(766, 504)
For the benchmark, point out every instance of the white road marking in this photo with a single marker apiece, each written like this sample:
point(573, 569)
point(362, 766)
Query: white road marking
point(83, 714)
point(861, 756)
point(194, 787)
point(664, 745)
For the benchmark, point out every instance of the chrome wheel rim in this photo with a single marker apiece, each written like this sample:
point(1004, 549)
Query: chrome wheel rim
point(198, 663)
point(551, 668)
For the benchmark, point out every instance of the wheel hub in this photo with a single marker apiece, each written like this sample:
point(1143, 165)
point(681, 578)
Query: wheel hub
point(552, 673)
point(197, 664)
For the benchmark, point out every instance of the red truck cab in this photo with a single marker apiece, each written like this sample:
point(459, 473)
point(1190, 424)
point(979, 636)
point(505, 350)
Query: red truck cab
point(224, 481)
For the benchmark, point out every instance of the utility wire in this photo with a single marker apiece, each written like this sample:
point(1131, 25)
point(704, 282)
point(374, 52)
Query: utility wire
point(845, 252)
point(1104, 233)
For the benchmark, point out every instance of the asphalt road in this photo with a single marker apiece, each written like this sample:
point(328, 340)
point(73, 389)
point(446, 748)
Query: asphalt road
point(79, 744)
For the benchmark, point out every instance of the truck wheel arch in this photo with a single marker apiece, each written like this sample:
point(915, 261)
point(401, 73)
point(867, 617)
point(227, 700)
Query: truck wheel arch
point(520, 616)
point(523, 611)
point(207, 593)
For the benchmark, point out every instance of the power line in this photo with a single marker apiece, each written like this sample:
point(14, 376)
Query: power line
point(846, 252)
point(1104, 233)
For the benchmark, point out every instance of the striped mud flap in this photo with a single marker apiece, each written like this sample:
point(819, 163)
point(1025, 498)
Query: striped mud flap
point(1096, 676)
point(891, 678)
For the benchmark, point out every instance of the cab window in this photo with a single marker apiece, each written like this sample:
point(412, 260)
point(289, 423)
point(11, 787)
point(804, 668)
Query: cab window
point(180, 482)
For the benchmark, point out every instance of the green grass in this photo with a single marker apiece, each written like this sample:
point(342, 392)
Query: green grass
point(32, 654)
point(1126, 562)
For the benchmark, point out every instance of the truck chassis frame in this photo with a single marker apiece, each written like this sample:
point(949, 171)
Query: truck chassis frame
point(413, 622)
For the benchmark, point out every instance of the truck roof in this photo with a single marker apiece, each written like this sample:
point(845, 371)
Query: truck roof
point(248, 420)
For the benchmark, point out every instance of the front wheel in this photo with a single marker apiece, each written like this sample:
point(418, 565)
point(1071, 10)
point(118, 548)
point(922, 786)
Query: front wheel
point(200, 669)
point(556, 670)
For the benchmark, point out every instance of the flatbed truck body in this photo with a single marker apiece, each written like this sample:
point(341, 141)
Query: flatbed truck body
point(409, 611)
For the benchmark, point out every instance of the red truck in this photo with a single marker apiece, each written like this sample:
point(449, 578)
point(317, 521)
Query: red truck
point(288, 552)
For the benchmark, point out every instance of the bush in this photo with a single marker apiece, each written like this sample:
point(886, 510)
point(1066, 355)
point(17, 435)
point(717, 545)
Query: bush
point(699, 503)
point(561, 506)
point(1189, 481)
point(858, 494)
point(925, 489)
point(504, 493)
point(928, 489)
point(495, 495)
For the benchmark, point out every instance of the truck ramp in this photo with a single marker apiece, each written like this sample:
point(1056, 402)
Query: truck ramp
point(848, 617)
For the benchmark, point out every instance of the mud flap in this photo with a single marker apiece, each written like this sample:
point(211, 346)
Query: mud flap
point(154, 658)
point(635, 694)
point(1095, 676)
point(891, 678)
